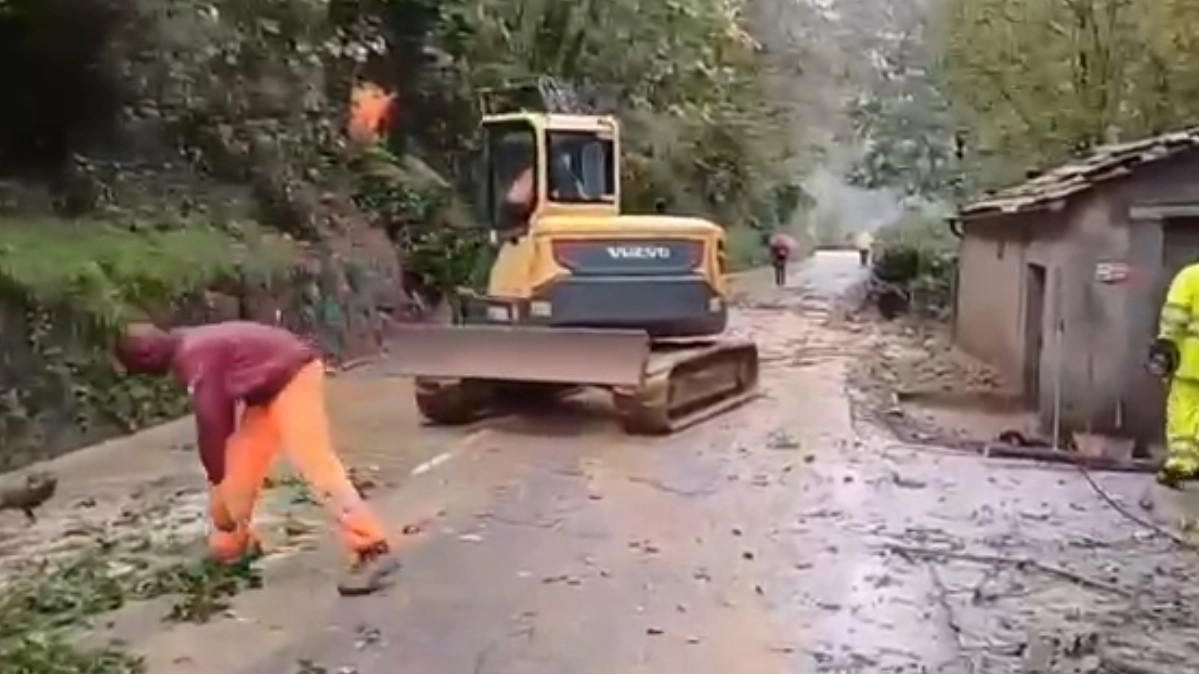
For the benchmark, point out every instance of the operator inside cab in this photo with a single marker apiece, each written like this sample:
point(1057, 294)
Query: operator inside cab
point(582, 168)
point(512, 181)
point(581, 171)
point(519, 200)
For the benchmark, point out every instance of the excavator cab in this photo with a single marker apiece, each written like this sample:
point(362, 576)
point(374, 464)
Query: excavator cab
point(580, 168)
point(549, 164)
point(580, 294)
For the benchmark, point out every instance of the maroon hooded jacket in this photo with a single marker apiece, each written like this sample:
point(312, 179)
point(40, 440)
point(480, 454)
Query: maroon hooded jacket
point(226, 363)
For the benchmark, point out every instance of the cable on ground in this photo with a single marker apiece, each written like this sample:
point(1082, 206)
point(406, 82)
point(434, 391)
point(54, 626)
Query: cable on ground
point(1178, 539)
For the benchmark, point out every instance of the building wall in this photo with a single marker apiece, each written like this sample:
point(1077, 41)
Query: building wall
point(1090, 364)
point(989, 300)
point(1098, 362)
point(1082, 348)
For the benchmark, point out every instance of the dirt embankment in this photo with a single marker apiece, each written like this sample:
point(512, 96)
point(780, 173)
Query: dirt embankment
point(925, 390)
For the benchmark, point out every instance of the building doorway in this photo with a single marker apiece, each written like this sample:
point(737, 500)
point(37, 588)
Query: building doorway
point(1034, 332)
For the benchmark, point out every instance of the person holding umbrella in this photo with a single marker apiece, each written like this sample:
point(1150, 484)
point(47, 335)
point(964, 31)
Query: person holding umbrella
point(781, 246)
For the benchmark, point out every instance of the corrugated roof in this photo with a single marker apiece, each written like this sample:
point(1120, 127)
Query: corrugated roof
point(1104, 163)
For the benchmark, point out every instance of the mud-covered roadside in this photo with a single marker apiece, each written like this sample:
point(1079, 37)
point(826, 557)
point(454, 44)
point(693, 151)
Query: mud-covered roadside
point(925, 391)
point(1013, 566)
point(1044, 588)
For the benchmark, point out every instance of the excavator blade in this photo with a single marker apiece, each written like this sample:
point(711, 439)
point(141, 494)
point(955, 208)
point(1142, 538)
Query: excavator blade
point(523, 353)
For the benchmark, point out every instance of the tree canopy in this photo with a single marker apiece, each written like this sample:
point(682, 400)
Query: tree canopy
point(168, 109)
point(1038, 81)
point(905, 121)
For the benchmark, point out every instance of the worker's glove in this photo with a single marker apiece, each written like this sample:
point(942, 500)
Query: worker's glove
point(1163, 358)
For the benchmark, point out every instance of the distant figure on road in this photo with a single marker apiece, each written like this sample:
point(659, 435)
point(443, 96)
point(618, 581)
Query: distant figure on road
point(864, 242)
point(280, 382)
point(781, 246)
point(1174, 356)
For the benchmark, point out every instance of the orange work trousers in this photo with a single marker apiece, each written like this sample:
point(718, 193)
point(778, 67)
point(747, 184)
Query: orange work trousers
point(295, 421)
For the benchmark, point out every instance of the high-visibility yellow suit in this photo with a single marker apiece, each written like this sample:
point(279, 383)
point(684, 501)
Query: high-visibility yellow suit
point(1179, 329)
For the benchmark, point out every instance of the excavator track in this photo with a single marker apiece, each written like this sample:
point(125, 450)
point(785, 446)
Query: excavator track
point(451, 402)
point(689, 382)
point(454, 402)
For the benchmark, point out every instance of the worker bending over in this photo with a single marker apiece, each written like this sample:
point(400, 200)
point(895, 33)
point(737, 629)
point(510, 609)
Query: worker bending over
point(1175, 357)
point(279, 381)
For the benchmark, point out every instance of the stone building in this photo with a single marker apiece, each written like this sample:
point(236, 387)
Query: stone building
point(1061, 280)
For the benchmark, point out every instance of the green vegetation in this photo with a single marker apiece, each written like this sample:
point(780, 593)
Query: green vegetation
point(745, 249)
point(43, 654)
point(204, 588)
point(179, 146)
point(67, 284)
point(103, 272)
point(297, 489)
point(906, 123)
point(921, 227)
point(442, 246)
point(226, 94)
point(41, 606)
point(680, 73)
point(1035, 82)
point(962, 96)
point(915, 261)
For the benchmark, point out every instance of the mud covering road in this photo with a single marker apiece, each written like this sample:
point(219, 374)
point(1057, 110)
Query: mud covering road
point(781, 537)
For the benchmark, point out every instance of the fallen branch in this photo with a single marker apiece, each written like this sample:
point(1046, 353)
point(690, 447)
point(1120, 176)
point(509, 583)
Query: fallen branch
point(951, 620)
point(517, 522)
point(346, 366)
point(1019, 562)
point(1112, 665)
point(662, 486)
point(1048, 455)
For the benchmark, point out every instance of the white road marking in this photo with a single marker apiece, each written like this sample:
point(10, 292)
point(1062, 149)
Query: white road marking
point(432, 463)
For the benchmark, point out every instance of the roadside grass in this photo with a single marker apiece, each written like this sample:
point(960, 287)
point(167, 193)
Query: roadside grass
point(746, 249)
point(100, 269)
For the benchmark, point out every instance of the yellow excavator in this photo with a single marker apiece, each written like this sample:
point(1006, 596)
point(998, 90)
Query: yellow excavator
point(580, 295)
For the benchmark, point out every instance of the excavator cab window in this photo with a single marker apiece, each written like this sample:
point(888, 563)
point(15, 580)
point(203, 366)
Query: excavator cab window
point(511, 162)
point(582, 168)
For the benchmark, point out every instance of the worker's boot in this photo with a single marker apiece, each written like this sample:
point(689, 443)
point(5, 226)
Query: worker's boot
point(1176, 471)
point(370, 572)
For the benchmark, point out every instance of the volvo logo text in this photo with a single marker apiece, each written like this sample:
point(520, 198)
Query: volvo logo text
point(639, 252)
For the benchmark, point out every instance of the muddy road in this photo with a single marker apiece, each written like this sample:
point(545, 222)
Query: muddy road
point(781, 537)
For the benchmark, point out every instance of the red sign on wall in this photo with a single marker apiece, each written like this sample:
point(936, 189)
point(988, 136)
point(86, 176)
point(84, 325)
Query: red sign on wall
point(1112, 272)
